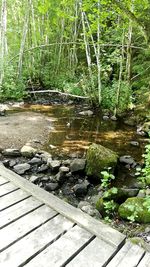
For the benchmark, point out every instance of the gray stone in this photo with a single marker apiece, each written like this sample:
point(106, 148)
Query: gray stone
point(54, 165)
point(42, 168)
point(11, 152)
point(105, 118)
point(141, 193)
point(134, 143)
point(66, 162)
point(12, 163)
point(33, 178)
point(113, 118)
point(51, 187)
point(28, 151)
point(127, 159)
point(89, 209)
point(45, 156)
point(21, 168)
point(86, 113)
point(77, 165)
point(35, 160)
point(64, 169)
point(80, 189)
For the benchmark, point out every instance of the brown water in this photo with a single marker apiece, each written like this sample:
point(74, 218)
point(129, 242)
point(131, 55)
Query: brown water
point(71, 133)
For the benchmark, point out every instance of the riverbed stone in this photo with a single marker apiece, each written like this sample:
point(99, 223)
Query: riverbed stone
point(21, 168)
point(35, 160)
point(134, 143)
point(28, 151)
point(33, 178)
point(11, 152)
point(146, 127)
point(99, 158)
point(88, 208)
point(127, 160)
point(136, 207)
point(42, 168)
point(80, 189)
point(45, 156)
point(54, 165)
point(77, 165)
point(51, 187)
point(86, 113)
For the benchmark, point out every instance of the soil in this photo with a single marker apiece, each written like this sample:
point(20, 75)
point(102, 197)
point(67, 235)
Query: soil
point(16, 129)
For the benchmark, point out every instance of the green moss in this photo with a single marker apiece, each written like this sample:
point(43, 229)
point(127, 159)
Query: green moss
point(136, 209)
point(98, 159)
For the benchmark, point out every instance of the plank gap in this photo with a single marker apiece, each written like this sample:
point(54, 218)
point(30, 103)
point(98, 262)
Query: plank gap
point(9, 192)
point(46, 246)
point(14, 203)
point(78, 251)
point(21, 216)
point(33, 229)
point(4, 183)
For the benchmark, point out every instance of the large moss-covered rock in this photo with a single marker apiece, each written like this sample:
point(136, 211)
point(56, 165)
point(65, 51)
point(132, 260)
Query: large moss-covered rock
point(98, 158)
point(136, 208)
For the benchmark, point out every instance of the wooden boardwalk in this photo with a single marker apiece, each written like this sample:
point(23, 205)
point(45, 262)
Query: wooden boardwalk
point(39, 230)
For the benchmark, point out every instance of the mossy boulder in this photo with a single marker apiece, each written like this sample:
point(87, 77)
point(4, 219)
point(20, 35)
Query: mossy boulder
point(99, 158)
point(105, 207)
point(136, 209)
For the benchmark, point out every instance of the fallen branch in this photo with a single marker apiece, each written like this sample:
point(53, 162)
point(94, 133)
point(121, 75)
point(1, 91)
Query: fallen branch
point(57, 92)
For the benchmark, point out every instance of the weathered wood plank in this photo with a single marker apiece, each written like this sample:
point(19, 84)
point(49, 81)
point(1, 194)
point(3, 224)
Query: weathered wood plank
point(96, 254)
point(24, 225)
point(128, 256)
point(31, 244)
point(61, 250)
point(18, 210)
point(145, 262)
point(7, 188)
point(96, 227)
point(12, 198)
point(3, 181)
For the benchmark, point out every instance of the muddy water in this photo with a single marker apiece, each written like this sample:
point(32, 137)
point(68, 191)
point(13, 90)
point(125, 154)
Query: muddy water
point(70, 134)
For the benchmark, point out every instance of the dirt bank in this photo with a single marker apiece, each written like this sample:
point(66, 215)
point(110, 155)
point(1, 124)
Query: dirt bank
point(16, 129)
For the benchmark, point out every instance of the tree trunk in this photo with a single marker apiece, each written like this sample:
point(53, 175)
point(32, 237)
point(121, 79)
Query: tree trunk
point(3, 39)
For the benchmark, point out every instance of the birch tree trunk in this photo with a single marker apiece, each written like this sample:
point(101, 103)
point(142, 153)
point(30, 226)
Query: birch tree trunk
point(3, 38)
point(23, 41)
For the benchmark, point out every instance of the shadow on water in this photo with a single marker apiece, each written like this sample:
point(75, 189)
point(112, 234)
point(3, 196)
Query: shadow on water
point(71, 133)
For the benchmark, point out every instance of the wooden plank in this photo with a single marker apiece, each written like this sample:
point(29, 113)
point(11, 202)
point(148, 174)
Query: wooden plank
point(129, 255)
point(24, 225)
point(61, 250)
point(12, 198)
point(96, 254)
point(7, 188)
point(12, 213)
point(145, 262)
point(3, 180)
point(94, 226)
point(27, 247)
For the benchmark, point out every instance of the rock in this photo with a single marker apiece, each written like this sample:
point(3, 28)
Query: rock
point(64, 170)
point(119, 195)
point(134, 143)
point(87, 208)
point(42, 168)
point(51, 187)
point(80, 189)
point(98, 158)
point(12, 163)
point(105, 118)
point(66, 162)
point(141, 193)
point(127, 159)
point(45, 156)
point(113, 118)
point(54, 165)
point(132, 121)
point(77, 165)
point(3, 112)
point(11, 152)
point(33, 178)
point(6, 162)
point(35, 160)
point(136, 207)
point(28, 151)
point(146, 127)
point(86, 113)
point(21, 168)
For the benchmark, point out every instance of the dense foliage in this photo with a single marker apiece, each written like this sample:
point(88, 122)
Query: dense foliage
point(97, 48)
